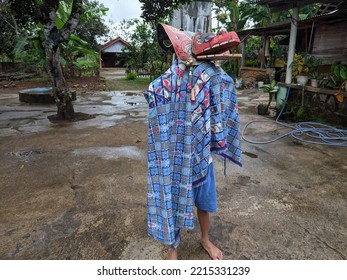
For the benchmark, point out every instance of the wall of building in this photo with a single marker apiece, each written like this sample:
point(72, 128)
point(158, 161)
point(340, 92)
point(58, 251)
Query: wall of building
point(115, 48)
point(330, 42)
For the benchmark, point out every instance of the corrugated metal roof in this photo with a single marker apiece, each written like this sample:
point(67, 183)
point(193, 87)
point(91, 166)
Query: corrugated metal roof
point(277, 5)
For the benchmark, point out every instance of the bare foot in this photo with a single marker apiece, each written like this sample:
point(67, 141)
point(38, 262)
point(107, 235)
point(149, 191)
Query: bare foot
point(171, 254)
point(212, 250)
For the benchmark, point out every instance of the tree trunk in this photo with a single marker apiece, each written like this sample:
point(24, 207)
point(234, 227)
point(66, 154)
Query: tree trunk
point(61, 92)
point(53, 38)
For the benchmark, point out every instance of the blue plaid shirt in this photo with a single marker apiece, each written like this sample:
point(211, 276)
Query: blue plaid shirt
point(192, 112)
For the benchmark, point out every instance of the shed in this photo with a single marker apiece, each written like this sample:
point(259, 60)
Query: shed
point(324, 35)
point(112, 53)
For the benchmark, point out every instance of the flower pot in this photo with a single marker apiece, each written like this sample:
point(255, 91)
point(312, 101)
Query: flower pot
point(301, 80)
point(261, 110)
point(314, 83)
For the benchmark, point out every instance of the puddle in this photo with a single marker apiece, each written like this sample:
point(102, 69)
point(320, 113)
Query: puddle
point(24, 156)
point(130, 94)
point(100, 121)
point(135, 103)
point(112, 153)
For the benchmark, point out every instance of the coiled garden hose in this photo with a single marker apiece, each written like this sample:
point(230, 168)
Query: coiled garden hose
point(308, 132)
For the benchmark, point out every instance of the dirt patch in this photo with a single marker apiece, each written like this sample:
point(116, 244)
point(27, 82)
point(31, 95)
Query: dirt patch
point(80, 84)
point(252, 75)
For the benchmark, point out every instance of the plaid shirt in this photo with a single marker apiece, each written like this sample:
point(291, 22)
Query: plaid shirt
point(192, 112)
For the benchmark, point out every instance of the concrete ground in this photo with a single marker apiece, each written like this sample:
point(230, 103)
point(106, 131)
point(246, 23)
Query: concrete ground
point(113, 73)
point(78, 190)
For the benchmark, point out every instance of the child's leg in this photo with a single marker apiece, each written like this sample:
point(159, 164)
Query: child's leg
point(172, 250)
point(211, 249)
point(172, 254)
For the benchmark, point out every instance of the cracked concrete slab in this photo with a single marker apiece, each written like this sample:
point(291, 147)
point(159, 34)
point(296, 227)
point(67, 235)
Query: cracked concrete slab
point(78, 190)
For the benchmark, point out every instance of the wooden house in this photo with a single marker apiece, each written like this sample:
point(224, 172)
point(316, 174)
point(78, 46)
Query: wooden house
point(324, 35)
point(112, 53)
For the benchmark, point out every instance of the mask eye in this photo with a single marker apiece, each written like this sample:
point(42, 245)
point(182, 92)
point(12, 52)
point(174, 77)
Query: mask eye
point(167, 43)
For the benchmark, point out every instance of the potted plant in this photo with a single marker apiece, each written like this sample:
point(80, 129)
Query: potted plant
point(312, 64)
point(304, 65)
point(314, 78)
point(272, 89)
point(262, 109)
point(300, 69)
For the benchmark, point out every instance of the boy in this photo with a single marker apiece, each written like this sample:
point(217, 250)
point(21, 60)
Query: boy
point(192, 112)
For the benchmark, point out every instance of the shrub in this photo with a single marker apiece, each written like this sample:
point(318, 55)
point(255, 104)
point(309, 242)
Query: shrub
point(131, 76)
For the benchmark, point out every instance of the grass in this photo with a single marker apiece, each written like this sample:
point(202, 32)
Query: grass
point(124, 84)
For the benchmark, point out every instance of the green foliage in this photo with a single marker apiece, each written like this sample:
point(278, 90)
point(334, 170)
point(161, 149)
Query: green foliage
point(304, 64)
point(92, 26)
point(340, 72)
point(301, 113)
point(78, 56)
point(272, 89)
point(9, 34)
point(87, 64)
point(227, 13)
point(157, 11)
point(144, 52)
point(63, 14)
point(328, 81)
point(131, 76)
point(253, 45)
point(76, 52)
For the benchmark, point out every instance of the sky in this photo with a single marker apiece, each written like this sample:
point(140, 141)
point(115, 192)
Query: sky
point(121, 9)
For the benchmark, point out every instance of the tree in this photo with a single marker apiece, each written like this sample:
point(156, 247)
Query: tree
point(228, 13)
point(57, 26)
point(91, 26)
point(9, 31)
point(160, 10)
point(144, 51)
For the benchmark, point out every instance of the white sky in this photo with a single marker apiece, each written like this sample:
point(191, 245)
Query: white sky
point(121, 9)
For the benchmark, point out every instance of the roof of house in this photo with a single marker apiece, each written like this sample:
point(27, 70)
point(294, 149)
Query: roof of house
point(334, 11)
point(114, 41)
point(277, 5)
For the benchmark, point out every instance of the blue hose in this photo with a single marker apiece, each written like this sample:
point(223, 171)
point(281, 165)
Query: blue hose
point(320, 134)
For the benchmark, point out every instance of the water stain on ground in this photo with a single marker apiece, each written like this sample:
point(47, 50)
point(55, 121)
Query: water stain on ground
point(78, 190)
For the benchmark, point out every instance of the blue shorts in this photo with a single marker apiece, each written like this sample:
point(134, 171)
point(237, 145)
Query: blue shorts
point(205, 196)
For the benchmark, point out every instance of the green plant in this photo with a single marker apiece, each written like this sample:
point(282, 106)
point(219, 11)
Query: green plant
point(301, 113)
point(313, 75)
point(272, 89)
point(340, 71)
point(131, 76)
point(312, 63)
point(304, 64)
point(262, 108)
point(87, 64)
point(328, 81)
point(298, 65)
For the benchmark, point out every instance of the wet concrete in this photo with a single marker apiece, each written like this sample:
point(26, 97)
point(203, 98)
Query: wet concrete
point(78, 190)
